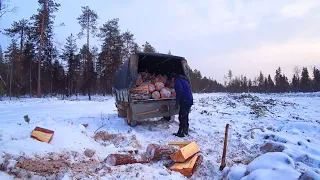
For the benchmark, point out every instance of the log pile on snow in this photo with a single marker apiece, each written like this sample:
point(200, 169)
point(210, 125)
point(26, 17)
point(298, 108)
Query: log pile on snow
point(185, 158)
point(152, 87)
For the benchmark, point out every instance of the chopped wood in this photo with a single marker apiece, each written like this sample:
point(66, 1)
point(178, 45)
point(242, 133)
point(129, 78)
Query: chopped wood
point(159, 152)
point(120, 159)
point(42, 134)
point(165, 92)
point(141, 92)
point(186, 152)
point(186, 168)
point(156, 95)
point(159, 85)
point(180, 144)
point(152, 88)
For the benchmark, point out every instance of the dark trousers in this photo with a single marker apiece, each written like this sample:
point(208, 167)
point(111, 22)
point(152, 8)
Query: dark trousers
point(184, 116)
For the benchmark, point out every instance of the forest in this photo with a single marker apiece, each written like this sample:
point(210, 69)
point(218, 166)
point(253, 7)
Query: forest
point(32, 65)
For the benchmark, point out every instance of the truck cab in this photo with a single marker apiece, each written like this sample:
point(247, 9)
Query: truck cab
point(134, 109)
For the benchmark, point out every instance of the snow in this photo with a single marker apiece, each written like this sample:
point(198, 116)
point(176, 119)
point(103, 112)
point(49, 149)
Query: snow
point(289, 120)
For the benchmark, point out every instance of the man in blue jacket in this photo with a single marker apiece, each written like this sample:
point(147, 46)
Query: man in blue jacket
point(184, 99)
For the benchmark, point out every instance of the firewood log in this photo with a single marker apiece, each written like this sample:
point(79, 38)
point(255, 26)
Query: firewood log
point(141, 92)
point(120, 159)
point(159, 85)
point(165, 92)
point(158, 152)
point(152, 88)
point(41, 134)
point(156, 95)
point(185, 153)
point(187, 168)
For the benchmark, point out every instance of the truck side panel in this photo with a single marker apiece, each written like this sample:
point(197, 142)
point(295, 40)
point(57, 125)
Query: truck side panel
point(153, 108)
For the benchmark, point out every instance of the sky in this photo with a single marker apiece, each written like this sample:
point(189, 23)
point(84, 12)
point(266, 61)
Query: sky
point(245, 36)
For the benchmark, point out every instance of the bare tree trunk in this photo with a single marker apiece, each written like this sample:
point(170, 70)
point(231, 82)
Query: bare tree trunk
point(11, 78)
point(30, 78)
point(88, 61)
point(40, 50)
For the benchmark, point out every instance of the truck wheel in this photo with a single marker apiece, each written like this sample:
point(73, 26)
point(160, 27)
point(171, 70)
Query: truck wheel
point(168, 118)
point(133, 123)
point(122, 113)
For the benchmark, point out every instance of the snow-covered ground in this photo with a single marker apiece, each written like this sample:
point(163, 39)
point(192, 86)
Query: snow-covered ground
point(275, 136)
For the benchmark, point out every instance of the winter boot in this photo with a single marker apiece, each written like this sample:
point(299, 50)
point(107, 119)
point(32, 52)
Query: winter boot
point(179, 133)
point(186, 130)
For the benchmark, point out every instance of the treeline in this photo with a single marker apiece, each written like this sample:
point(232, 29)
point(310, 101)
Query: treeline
point(34, 64)
point(302, 81)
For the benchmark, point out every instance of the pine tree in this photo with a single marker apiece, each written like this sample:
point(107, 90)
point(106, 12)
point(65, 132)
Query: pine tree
point(305, 83)
point(73, 63)
point(270, 84)
point(261, 82)
point(58, 78)
point(250, 85)
point(129, 45)
point(266, 85)
point(316, 79)
point(42, 35)
point(29, 64)
point(110, 56)
point(88, 22)
point(19, 30)
point(147, 47)
point(295, 83)
point(229, 77)
point(277, 80)
point(12, 56)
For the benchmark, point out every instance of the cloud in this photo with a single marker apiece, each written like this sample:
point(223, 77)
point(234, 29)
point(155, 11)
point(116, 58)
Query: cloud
point(299, 8)
point(267, 57)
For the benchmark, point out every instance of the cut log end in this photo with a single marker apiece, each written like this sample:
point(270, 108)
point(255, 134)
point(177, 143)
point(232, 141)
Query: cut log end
point(158, 152)
point(41, 134)
point(185, 153)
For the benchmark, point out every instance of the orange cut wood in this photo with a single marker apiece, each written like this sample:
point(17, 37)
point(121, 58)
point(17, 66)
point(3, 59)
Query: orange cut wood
point(186, 152)
point(41, 134)
point(180, 144)
point(186, 168)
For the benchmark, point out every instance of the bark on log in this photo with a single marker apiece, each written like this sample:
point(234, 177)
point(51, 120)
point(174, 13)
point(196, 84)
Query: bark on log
point(158, 152)
point(41, 134)
point(120, 159)
point(185, 153)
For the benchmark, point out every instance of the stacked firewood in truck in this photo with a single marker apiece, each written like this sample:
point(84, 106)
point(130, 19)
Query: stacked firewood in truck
point(151, 86)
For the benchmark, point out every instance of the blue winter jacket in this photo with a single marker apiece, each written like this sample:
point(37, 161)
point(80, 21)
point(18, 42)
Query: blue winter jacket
point(183, 91)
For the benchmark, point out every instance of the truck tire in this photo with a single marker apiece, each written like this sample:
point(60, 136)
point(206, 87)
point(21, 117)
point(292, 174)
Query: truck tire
point(168, 118)
point(129, 120)
point(122, 113)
